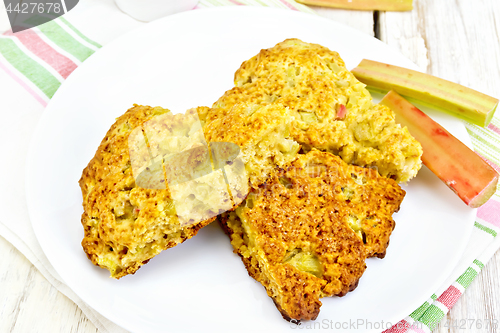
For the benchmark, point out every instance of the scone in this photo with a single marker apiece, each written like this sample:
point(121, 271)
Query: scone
point(305, 233)
point(332, 111)
point(150, 186)
point(261, 131)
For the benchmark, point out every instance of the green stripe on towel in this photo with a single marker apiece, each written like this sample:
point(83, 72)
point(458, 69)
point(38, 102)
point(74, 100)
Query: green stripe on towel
point(82, 36)
point(466, 279)
point(32, 70)
point(485, 229)
point(65, 41)
point(420, 311)
point(478, 263)
point(432, 316)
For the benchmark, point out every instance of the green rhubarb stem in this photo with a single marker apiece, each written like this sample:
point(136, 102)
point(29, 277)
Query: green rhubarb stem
point(464, 102)
point(467, 174)
point(389, 5)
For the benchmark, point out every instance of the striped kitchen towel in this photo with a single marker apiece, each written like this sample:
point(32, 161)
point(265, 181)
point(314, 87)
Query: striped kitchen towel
point(39, 60)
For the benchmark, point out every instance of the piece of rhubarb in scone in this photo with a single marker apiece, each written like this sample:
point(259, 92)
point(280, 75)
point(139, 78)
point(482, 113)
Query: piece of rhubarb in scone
point(464, 102)
point(462, 170)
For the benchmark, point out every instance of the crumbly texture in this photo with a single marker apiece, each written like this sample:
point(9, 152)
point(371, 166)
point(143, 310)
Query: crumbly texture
point(331, 110)
point(261, 131)
point(306, 232)
point(130, 213)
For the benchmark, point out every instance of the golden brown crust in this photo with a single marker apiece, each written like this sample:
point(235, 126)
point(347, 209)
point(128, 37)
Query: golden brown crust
point(313, 83)
point(261, 131)
point(295, 235)
point(112, 153)
point(126, 225)
point(371, 199)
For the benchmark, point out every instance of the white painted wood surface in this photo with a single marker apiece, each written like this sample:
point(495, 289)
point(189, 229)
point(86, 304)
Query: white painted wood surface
point(30, 304)
point(453, 39)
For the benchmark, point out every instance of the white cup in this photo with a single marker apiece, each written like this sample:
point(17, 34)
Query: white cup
point(149, 10)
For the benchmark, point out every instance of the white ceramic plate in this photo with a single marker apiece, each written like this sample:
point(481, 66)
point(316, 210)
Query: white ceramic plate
point(188, 60)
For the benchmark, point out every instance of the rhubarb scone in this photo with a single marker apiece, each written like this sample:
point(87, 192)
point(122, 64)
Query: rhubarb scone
point(306, 232)
point(150, 186)
point(332, 111)
point(261, 131)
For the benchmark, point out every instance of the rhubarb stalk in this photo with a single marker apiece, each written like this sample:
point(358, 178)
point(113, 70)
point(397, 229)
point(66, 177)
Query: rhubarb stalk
point(388, 5)
point(467, 174)
point(464, 102)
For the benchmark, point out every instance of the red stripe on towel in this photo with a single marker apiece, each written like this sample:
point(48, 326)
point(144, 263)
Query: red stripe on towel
point(29, 38)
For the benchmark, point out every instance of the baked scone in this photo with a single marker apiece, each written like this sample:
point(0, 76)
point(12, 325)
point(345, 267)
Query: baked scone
point(306, 232)
point(332, 111)
point(150, 186)
point(261, 131)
